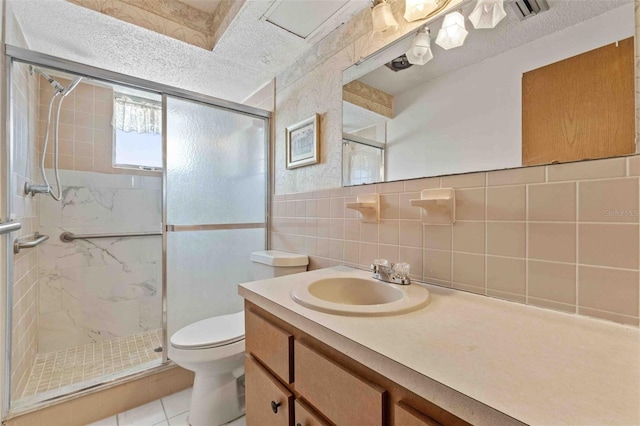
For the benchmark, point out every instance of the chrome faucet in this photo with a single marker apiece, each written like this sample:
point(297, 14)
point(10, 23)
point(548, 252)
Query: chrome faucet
point(397, 273)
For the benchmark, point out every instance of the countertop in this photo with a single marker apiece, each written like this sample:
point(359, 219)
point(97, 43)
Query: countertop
point(486, 360)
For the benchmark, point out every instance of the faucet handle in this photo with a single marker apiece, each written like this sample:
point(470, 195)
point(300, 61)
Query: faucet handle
point(401, 269)
point(379, 265)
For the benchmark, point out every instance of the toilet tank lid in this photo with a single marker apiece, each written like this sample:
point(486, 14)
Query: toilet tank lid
point(279, 258)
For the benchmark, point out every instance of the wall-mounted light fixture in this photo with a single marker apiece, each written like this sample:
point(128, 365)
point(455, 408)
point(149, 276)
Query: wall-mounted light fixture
point(383, 20)
point(453, 32)
point(487, 13)
point(419, 9)
point(420, 52)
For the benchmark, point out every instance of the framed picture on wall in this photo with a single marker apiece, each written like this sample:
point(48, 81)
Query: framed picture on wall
point(303, 143)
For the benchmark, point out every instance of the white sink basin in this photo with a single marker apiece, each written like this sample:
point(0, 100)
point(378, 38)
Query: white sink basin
point(359, 296)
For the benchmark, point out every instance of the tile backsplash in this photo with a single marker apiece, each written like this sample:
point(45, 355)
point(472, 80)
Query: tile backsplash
point(564, 237)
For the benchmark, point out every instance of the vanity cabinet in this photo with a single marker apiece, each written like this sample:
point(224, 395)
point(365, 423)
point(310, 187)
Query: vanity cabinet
point(294, 379)
point(305, 416)
point(271, 402)
point(340, 395)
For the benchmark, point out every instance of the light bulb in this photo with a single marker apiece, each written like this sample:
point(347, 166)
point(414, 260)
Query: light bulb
point(419, 9)
point(383, 20)
point(420, 52)
point(487, 13)
point(453, 33)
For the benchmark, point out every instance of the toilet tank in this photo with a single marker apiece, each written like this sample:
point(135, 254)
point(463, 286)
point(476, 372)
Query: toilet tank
point(275, 263)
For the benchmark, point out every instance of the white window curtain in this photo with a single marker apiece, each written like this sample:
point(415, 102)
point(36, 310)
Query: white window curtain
point(137, 115)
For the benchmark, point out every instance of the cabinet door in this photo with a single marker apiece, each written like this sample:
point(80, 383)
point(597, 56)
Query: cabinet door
point(268, 402)
point(406, 415)
point(271, 345)
point(338, 394)
point(305, 416)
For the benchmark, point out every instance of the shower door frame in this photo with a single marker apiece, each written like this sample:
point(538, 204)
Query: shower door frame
point(20, 55)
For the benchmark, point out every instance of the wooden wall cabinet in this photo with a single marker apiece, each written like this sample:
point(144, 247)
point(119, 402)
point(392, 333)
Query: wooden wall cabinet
point(293, 379)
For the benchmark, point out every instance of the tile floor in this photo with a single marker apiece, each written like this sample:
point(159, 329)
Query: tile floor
point(55, 370)
point(171, 410)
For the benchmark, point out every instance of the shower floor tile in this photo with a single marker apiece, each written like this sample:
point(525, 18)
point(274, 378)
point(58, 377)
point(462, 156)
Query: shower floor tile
point(56, 370)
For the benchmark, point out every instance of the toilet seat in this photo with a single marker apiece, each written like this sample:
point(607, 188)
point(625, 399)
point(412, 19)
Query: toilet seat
point(210, 333)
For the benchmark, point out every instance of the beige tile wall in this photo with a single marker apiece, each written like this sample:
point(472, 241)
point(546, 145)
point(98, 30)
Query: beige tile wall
point(105, 403)
point(563, 237)
point(25, 264)
point(86, 130)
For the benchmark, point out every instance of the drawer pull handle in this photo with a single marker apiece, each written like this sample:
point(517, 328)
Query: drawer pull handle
point(274, 406)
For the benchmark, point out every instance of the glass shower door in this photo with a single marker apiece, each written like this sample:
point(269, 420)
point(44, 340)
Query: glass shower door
point(215, 207)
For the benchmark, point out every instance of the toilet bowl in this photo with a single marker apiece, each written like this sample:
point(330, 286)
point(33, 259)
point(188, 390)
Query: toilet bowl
point(213, 349)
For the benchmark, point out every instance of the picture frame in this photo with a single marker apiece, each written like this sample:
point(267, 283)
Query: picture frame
point(303, 143)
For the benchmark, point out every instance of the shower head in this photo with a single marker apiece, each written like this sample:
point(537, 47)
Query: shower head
point(51, 81)
point(69, 88)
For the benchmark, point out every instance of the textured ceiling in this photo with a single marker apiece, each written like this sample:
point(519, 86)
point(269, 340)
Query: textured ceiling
point(249, 54)
point(483, 44)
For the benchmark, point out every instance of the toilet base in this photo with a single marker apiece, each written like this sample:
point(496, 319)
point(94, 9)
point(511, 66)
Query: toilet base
point(215, 400)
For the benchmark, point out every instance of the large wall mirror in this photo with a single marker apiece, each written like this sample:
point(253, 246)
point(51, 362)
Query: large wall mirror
point(555, 86)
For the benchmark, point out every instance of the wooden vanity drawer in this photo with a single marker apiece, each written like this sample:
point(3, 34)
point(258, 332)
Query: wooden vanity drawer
point(405, 415)
point(268, 402)
point(342, 397)
point(270, 344)
point(305, 416)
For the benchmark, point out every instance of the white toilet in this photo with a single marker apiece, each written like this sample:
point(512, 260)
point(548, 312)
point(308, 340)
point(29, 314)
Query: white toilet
point(214, 349)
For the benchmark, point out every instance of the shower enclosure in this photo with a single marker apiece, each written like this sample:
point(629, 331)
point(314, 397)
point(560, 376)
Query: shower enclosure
point(162, 198)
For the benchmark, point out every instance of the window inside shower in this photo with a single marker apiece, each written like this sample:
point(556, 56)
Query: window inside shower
point(86, 309)
point(137, 141)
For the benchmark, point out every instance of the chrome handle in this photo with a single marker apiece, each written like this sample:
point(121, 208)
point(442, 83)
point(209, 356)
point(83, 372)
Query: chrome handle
point(38, 239)
point(7, 227)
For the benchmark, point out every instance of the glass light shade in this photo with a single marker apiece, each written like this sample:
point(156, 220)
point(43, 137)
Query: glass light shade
point(453, 33)
point(420, 52)
point(383, 20)
point(487, 13)
point(419, 9)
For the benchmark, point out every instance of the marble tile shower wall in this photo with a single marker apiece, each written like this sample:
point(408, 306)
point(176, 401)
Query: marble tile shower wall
point(25, 264)
point(97, 289)
point(562, 237)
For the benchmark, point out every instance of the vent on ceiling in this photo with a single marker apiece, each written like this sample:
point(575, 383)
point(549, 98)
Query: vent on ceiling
point(528, 8)
point(311, 19)
point(398, 64)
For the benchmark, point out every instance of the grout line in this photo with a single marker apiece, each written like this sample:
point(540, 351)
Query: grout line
point(526, 245)
point(164, 410)
point(486, 236)
point(577, 253)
